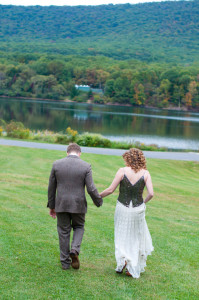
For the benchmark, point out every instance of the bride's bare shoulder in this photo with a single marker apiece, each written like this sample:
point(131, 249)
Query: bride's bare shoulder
point(120, 170)
point(146, 174)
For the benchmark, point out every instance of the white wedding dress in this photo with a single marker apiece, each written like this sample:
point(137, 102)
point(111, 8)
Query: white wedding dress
point(133, 241)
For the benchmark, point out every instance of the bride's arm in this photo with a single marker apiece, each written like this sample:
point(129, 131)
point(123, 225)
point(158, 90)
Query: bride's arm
point(149, 187)
point(118, 177)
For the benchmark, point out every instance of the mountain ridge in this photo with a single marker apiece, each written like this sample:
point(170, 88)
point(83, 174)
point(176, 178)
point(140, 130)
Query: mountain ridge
point(161, 31)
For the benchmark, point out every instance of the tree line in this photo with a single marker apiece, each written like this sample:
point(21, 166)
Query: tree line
point(123, 82)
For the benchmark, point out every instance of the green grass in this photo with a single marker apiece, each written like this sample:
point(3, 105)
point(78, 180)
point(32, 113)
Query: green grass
point(29, 257)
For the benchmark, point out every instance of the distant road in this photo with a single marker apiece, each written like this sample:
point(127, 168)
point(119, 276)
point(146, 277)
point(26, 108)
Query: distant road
point(189, 156)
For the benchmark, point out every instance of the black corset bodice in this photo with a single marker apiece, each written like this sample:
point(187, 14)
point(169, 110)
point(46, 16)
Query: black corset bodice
point(131, 192)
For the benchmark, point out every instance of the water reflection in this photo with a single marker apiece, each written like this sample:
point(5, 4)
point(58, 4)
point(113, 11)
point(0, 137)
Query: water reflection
point(167, 128)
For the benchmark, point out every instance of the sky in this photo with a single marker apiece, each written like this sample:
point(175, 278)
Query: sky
point(71, 2)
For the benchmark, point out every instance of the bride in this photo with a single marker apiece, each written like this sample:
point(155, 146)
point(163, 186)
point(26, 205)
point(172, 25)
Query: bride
point(132, 238)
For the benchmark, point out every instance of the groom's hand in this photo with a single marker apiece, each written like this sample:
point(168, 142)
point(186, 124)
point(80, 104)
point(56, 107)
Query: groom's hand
point(52, 213)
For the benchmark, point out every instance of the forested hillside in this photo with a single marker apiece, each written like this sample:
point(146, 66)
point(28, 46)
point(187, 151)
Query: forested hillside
point(165, 31)
point(144, 54)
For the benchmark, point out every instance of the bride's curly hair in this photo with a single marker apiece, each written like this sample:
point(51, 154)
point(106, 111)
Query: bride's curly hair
point(135, 159)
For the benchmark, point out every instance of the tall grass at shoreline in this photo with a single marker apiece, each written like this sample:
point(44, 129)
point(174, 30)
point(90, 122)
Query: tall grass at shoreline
point(18, 130)
point(29, 261)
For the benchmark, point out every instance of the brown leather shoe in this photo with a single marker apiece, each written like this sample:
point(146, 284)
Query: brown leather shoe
point(128, 274)
point(75, 260)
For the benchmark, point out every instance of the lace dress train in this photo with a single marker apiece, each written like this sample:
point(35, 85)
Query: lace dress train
point(133, 241)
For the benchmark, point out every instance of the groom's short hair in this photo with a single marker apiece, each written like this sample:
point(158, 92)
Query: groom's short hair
point(73, 147)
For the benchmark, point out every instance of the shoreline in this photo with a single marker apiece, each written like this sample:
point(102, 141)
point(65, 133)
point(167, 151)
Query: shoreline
point(168, 155)
point(183, 109)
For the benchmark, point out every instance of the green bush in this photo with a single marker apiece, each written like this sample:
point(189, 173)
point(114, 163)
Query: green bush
point(3, 124)
point(138, 145)
point(12, 126)
point(71, 134)
point(121, 145)
point(93, 140)
point(1, 131)
point(82, 97)
point(17, 130)
point(98, 99)
point(62, 139)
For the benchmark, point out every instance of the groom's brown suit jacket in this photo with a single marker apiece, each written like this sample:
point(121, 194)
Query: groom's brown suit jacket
point(66, 189)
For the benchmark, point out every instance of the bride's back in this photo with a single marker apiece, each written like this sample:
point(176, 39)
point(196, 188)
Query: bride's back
point(132, 176)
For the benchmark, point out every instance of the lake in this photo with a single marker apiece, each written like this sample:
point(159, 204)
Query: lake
point(173, 129)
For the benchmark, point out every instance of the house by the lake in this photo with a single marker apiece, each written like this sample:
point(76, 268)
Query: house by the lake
point(87, 88)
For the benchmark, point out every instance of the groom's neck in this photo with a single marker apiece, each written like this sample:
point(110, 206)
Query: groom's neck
point(74, 153)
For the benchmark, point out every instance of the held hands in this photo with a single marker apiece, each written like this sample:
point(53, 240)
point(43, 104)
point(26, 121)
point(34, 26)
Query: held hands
point(52, 213)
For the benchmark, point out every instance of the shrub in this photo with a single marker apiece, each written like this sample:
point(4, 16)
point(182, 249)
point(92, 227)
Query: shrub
point(98, 99)
point(121, 145)
point(82, 97)
point(22, 134)
point(1, 131)
point(71, 134)
point(12, 126)
point(3, 124)
point(152, 147)
point(17, 130)
point(93, 140)
point(62, 139)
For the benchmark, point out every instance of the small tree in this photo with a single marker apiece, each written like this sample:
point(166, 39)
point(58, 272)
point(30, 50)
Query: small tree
point(74, 92)
point(90, 94)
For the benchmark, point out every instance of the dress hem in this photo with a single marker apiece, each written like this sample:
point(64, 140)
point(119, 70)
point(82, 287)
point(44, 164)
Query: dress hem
point(134, 270)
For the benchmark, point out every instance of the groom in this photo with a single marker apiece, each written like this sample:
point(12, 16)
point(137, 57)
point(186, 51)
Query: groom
point(67, 201)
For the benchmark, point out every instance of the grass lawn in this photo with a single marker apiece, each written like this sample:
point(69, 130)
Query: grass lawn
point(30, 267)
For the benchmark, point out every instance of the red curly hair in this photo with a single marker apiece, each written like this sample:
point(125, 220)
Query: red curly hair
point(135, 159)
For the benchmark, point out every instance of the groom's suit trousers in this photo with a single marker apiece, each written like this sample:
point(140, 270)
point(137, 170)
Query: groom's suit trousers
point(66, 222)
